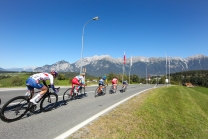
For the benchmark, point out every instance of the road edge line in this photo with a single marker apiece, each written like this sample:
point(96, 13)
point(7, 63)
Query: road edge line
point(74, 129)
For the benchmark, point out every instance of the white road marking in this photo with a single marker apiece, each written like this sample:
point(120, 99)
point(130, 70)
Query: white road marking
point(74, 129)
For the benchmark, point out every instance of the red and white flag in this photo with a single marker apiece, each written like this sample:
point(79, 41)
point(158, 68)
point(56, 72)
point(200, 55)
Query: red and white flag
point(124, 58)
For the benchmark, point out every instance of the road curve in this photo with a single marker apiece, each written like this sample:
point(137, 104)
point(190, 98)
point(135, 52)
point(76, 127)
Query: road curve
point(64, 119)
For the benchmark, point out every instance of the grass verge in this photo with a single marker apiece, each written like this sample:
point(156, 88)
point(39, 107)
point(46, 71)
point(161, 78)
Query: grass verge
point(163, 113)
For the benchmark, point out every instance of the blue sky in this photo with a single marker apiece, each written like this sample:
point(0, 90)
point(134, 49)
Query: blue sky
point(40, 32)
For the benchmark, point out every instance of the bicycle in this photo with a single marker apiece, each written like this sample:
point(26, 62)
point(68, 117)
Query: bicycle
point(70, 95)
point(99, 92)
point(124, 88)
point(17, 107)
point(112, 90)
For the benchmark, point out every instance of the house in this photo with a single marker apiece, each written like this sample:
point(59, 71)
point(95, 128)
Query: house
point(189, 85)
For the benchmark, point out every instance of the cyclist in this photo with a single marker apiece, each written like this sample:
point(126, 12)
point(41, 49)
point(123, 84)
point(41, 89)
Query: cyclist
point(101, 83)
point(114, 82)
point(125, 83)
point(34, 82)
point(77, 80)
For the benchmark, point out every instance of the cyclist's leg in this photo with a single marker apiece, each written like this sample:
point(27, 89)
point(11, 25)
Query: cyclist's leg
point(34, 84)
point(114, 86)
point(30, 92)
point(100, 87)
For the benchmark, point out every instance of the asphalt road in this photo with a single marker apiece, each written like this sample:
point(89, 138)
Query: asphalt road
point(50, 125)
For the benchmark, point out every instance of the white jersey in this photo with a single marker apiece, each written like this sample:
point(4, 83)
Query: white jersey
point(42, 76)
point(80, 78)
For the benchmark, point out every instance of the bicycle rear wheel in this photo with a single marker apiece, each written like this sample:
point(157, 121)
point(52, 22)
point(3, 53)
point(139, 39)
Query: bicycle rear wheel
point(111, 90)
point(66, 96)
point(48, 102)
point(15, 109)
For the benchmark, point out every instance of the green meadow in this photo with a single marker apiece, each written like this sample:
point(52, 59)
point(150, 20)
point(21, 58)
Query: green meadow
point(174, 112)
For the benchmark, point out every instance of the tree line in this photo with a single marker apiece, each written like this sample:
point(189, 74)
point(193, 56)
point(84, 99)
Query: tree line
point(196, 77)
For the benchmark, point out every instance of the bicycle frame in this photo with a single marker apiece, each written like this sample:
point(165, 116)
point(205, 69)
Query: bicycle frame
point(45, 95)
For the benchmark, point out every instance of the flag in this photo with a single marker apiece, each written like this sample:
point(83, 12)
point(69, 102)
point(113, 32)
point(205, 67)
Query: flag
point(124, 58)
point(131, 61)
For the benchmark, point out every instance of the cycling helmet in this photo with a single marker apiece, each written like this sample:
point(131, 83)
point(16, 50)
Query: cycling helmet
point(104, 77)
point(55, 73)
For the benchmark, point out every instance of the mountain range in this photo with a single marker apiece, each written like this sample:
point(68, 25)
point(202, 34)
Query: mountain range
point(141, 66)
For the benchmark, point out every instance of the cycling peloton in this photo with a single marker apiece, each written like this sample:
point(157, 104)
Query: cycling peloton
point(114, 82)
point(101, 84)
point(34, 82)
point(77, 80)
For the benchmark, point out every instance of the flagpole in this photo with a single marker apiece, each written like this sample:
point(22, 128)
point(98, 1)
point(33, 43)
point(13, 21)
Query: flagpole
point(124, 62)
point(166, 69)
point(130, 69)
point(169, 70)
point(129, 73)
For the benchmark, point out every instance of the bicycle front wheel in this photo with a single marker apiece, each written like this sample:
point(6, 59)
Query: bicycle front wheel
point(82, 91)
point(48, 102)
point(104, 90)
point(66, 96)
point(15, 109)
point(96, 92)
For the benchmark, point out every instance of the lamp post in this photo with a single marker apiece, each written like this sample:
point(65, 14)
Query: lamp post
point(95, 18)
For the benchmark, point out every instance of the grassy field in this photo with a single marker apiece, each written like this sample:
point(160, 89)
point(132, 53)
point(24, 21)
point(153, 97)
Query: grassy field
point(7, 82)
point(174, 112)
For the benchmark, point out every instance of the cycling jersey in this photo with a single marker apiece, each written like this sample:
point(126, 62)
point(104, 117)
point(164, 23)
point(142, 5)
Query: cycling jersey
point(114, 81)
point(78, 80)
point(34, 80)
point(101, 82)
point(42, 76)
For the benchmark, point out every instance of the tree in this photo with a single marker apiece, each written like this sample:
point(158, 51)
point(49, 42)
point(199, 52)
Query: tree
point(61, 77)
point(135, 78)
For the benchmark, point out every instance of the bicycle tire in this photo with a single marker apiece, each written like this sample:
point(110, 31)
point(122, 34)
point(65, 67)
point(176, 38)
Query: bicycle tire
point(104, 90)
point(82, 92)
point(48, 102)
point(17, 107)
point(111, 90)
point(96, 92)
point(66, 95)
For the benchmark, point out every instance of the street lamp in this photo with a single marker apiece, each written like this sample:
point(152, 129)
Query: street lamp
point(95, 18)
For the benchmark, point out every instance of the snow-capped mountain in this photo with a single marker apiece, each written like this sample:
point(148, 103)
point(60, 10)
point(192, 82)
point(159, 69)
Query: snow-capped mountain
point(141, 66)
point(104, 64)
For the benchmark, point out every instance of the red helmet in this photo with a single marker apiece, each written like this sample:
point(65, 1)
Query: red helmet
point(55, 73)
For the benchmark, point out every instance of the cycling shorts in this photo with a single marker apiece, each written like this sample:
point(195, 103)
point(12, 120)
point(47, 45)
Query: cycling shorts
point(31, 84)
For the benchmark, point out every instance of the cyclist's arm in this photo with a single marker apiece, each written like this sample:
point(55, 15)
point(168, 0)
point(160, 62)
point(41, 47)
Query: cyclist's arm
point(44, 82)
point(51, 82)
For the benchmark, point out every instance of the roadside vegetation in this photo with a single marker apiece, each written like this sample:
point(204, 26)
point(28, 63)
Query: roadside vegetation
point(197, 78)
point(174, 112)
point(18, 79)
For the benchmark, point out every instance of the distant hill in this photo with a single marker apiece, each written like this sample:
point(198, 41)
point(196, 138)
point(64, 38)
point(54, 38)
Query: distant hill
point(141, 66)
